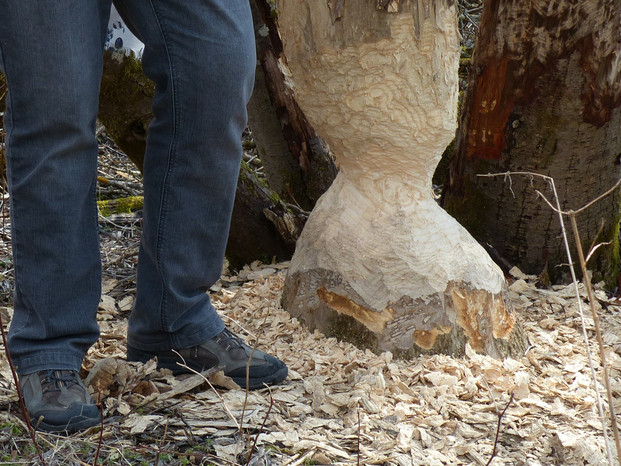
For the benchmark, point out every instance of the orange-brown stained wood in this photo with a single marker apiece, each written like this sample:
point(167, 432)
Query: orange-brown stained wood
point(427, 338)
point(373, 320)
point(478, 309)
point(491, 107)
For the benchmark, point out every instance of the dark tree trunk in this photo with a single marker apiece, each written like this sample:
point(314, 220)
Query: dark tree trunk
point(262, 227)
point(297, 162)
point(544, 97)
point(125, 104)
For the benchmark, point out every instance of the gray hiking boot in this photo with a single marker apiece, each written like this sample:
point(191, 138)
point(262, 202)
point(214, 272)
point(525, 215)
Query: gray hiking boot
point(57, 401)
point(226, 350)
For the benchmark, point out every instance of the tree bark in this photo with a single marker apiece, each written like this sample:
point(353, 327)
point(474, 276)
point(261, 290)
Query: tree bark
point(379, 263)
point(544, 97)
point(297, 162)
point(262, 227)
point(125, 104)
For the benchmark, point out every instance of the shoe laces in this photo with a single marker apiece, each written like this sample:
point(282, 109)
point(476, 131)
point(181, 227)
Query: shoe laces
point(54, 380)
point(229, 340)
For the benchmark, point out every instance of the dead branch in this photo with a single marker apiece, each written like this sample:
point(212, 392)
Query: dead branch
point(571, 214)
point(500, 416)
point(101, 429)
point(269, 410)
point(598, 332)
point(19, 392)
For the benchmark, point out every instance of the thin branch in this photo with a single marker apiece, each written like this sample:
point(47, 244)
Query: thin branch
point(204, 375)
point(610, 191)
point(358, 437)
point(157, 458)
point(500, 416)
point(269, 410)
point(587, 345)
point(254, 347)
point(19, 392)
point(598, 333)
point(101, 420)
point(595, 248)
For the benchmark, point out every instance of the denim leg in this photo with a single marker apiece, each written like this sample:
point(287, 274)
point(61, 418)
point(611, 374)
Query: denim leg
point(201, 56)
point(51, 54)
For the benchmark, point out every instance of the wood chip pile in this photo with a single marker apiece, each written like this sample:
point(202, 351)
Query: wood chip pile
point(341, 405)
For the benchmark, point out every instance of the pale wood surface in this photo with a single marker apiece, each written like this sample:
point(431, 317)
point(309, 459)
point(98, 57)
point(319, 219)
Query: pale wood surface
point(379, 261)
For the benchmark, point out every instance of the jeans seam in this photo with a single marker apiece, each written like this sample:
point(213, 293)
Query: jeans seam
point(9, 175)
point(170, 164)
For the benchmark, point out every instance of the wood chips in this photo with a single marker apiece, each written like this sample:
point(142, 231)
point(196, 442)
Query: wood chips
point(341, 405)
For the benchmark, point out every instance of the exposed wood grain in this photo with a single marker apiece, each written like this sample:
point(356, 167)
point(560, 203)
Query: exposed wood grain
point(379, 262)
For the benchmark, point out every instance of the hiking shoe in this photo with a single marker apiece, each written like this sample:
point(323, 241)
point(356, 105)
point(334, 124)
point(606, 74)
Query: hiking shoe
point(226, 350)
point(58, 401)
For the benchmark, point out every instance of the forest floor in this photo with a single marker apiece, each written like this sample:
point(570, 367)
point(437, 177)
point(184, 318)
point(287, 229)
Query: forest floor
point(339, 405)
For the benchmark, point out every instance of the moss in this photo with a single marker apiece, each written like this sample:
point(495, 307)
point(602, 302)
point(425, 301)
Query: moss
point(124, 205)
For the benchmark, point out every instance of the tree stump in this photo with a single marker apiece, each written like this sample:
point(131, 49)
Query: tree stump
point(379, 263)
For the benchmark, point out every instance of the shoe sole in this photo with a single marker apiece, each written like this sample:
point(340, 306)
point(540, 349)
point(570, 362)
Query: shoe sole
point(68, 428)
point(177, 365)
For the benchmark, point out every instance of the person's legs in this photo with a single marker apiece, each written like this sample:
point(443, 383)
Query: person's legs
point(201, 56)
point(51, 54)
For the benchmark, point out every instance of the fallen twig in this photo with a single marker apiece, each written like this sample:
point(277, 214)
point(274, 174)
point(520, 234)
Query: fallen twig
point(157, 458)
point(358, 437)
point(101, 429)
point(205, 375)
point(269, 410)
point(500, 415)
point(19, 392)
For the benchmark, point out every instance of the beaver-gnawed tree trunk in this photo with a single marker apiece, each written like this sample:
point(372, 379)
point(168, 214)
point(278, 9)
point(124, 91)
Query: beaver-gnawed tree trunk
point(544, 97)
point(379, 263)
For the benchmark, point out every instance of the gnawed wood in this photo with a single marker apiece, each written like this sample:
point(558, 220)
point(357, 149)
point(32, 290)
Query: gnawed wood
point(379, 262)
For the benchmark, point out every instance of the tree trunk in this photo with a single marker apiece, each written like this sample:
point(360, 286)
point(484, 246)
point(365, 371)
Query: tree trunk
point(296, 161)
point(544, 97)
point(379, 263)
point(125, 104)
point(262, 227)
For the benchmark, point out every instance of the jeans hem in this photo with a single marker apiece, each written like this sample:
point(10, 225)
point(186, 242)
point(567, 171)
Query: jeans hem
point(177, 341)
point(60, 361)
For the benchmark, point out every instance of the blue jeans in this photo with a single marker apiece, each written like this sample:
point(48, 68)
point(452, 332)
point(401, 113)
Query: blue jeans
point(201, 56)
